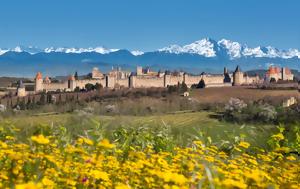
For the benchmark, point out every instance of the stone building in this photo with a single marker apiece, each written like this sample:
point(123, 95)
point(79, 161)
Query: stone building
point(241, 78)
point(277, 73)
point(21, 92)
point(96, 74)
point(45, 85)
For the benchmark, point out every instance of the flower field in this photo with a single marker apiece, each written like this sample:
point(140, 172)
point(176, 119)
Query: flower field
point(56, 161)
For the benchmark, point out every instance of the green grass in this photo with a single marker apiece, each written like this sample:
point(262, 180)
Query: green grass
point(183, 127)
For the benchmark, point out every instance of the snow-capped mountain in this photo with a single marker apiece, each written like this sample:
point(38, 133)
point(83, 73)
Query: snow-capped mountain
point(19, 49)
point(137, 53)
point(205, 55)
point(204, 47)
point(210, 48)
point(100, 50)
point(34, 50)
point(234, 49)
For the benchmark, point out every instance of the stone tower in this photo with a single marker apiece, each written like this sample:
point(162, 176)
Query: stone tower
point(38, 82)
point(71, 83)
point(132, 81)
point(227, 78)
point(225, 71)
point(238, 77)
point(110, 81)
point(139, 70)
point(284, 72)
point(21, 92)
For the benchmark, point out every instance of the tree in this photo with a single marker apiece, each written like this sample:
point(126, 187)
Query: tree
point(59, 98)
point(89, 87)
point(77, 89)
point(43, 98)
point(183, 87)
point(272, 80)
point(49, 97)
point(201, 84)
point(172, 88)
point(227, 78)
point(98, 86)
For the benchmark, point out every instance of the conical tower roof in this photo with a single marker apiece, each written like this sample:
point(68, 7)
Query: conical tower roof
point(71, 78)
point(237, 69)
point(39, 76)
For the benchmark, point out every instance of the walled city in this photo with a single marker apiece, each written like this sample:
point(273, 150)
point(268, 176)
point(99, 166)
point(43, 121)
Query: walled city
point(145, 78)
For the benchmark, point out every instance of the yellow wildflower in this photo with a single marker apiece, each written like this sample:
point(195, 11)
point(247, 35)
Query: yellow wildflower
point(47, 182)
point(30, 185)
point(99, 175)
point(40, 139)
point(291, 158)
point(122, 186)
point(230, 183)
point(244, 144)
point(278, 136)
point(106, 144)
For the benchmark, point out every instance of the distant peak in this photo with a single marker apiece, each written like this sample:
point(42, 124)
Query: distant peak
point(137, 53)
point(208, 47)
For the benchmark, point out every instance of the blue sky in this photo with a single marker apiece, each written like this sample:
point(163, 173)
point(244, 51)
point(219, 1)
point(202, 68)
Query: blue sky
point(148, 25)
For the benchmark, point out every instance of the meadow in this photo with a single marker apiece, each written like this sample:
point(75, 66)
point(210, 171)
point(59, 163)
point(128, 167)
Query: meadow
point(140, 143)
point(177, 150)
point(182, 127)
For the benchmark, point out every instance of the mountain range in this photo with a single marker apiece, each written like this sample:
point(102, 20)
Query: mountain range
point(205, 55)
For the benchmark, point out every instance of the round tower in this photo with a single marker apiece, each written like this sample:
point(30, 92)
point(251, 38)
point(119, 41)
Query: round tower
point(21, 92)
point(238, 77)
point(38, 82)
point(71, 82)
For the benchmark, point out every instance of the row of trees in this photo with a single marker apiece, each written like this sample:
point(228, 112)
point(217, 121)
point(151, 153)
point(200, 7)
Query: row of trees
point(182, 87)
point(89, 87)
point(200, 85)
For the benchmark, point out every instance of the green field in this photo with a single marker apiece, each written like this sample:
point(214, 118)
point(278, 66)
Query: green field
point(182, 127)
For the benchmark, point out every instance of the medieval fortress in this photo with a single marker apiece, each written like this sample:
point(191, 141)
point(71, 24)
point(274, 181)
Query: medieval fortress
point(145, 78)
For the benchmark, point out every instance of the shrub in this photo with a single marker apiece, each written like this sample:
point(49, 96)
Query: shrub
point(236, 110)
point(89, 87)
point(267, 113)
point(235, 105)
point(201, 84)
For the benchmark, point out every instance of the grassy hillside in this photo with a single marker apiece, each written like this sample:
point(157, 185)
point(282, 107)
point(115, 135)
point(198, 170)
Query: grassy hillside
point(183, 127)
